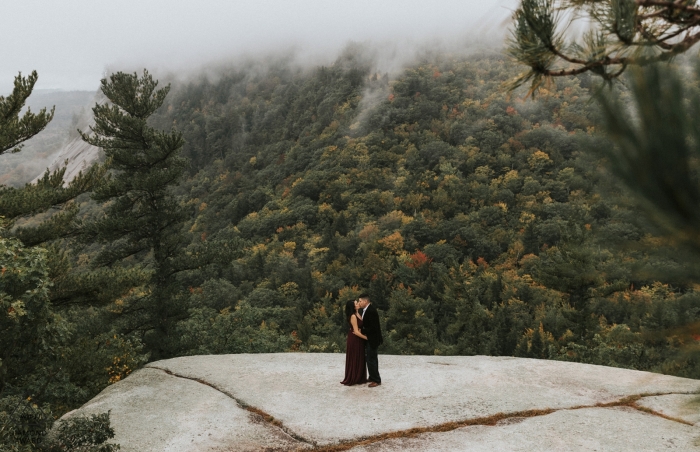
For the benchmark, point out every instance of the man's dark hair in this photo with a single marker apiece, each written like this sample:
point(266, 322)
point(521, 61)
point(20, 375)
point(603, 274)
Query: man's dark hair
point(364, 295)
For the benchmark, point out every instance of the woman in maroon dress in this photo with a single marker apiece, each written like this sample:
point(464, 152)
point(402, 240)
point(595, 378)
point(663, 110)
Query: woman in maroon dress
point(355, 369)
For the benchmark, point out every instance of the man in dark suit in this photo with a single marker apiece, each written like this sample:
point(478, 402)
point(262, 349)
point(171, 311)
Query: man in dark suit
point(373, 331)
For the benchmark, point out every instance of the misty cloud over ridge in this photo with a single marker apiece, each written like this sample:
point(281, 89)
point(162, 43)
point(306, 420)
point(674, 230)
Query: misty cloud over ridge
point(73, 43)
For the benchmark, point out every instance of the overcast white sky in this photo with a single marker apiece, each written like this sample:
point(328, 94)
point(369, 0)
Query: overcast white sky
point(71, 42)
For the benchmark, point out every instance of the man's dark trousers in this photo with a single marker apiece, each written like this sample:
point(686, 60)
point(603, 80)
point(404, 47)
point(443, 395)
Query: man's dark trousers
point(372, 363)
point(372, 329)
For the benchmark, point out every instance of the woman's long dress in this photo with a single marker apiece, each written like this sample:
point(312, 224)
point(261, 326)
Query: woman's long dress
point(355, 368)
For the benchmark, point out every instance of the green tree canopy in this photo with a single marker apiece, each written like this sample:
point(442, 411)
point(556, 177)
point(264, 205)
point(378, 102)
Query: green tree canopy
point(142, 214)
point(33, 337)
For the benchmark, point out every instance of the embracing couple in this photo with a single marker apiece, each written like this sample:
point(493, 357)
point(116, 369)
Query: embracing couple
point(364, 337)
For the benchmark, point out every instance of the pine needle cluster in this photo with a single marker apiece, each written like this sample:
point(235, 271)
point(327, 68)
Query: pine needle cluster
point(618, 33)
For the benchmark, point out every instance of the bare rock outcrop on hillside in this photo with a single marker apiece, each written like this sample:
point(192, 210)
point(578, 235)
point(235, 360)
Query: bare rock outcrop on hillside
point(294, 401)
point(76, 156)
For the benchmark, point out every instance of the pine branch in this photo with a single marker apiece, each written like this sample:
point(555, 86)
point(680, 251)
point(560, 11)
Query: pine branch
point(654, 154)
point(535, 43)
point(13, 129)
point(47, 193)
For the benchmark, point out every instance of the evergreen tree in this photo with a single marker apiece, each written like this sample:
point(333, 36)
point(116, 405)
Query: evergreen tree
point(33, 338)
point(31, 332)
point(621, 33)
point(13, 129)
point(142, 216)
point(50, 191)
point(25, 313)
point(657, 149)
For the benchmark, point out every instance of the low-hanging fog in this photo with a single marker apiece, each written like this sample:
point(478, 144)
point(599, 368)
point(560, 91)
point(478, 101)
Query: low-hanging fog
point(73, 43)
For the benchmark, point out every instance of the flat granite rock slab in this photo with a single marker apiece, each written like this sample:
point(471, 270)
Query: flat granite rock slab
point(619, 429)
point(154, 411)
point(303, 391)
point(679, 406)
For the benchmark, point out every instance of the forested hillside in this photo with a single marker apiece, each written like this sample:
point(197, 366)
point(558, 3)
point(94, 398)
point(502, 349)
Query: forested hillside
point(479, 221)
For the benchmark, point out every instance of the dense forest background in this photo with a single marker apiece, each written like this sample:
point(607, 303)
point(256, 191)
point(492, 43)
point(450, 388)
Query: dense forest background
point(479, 221)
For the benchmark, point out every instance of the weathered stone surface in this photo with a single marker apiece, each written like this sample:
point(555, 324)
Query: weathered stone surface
point(584, 430)
point(679, 406)
point(153, 411)
point(194, 404)
point(76, 156)
point(304, 391)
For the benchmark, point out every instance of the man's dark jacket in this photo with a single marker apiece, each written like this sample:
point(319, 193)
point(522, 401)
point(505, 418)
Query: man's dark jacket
point(371, 327)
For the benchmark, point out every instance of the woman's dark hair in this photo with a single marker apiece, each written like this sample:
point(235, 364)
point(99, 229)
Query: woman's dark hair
point(349, 309)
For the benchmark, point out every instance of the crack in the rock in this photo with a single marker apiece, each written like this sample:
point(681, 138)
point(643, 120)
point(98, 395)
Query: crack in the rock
point(493, 420)
point(269, 419)
point(631, 401)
